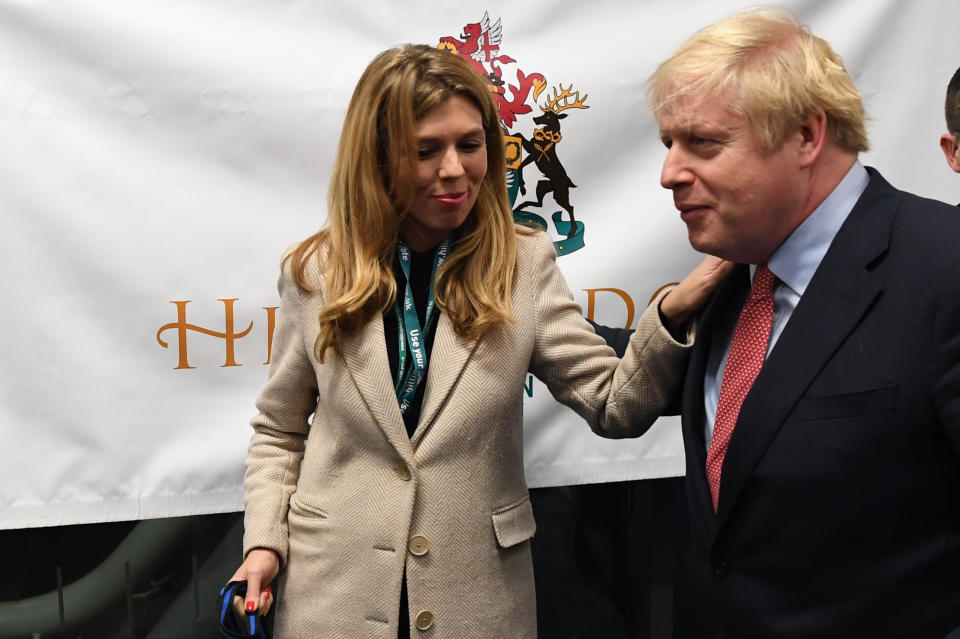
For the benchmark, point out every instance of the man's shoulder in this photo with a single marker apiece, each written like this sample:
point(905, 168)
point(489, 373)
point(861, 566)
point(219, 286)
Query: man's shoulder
point(879, 187)
point(929, 221)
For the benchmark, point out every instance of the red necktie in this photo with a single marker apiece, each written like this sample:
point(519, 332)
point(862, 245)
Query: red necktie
point(747, 352)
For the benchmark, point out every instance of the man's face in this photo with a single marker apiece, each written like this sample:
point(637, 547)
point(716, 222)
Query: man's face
point(738, 202)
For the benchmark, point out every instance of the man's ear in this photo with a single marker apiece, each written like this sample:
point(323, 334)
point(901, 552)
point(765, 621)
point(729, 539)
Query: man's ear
point(951, 150)
point(813, 135)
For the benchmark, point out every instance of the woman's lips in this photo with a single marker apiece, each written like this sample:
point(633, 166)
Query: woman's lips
point(451, 199)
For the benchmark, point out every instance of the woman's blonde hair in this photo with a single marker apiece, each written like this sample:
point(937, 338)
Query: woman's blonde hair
point(370, 197)
point(776, 72)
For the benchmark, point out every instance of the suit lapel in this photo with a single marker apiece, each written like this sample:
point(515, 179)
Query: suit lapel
point(365, 354)
point(836, 299)
point(448, 358)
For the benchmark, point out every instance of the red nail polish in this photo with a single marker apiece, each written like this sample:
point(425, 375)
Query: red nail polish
point(269, 590)
point(251, 606)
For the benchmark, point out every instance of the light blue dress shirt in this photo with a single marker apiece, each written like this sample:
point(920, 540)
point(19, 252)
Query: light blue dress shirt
point(794, 264)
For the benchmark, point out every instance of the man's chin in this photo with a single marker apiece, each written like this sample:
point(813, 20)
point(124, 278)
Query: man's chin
point(703, 245)
point(700, 243)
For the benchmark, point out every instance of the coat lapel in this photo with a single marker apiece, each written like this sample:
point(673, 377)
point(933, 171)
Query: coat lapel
point(448, 358)
point(365, 354)
point(839, 294)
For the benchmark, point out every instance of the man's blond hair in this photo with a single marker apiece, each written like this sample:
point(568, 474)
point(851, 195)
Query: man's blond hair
point(773, 71)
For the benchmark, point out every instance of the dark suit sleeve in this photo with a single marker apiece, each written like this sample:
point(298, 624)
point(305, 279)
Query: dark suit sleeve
point(617, 338)
point(946, 357)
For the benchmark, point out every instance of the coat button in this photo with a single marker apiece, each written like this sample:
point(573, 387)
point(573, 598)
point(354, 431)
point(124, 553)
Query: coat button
point(720, 568)
point(419, 545)
point(424, 620)
point(403, 471)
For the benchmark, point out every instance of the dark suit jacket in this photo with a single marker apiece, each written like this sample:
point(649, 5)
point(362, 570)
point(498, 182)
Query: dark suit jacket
point(839, 511)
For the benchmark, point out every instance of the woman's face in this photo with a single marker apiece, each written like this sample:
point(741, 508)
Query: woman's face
point(451, 165)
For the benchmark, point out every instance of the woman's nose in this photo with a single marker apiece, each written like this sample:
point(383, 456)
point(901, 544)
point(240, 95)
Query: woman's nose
point(450, 164)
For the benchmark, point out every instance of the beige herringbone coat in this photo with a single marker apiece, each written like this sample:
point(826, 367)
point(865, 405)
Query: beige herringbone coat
point(348, 500)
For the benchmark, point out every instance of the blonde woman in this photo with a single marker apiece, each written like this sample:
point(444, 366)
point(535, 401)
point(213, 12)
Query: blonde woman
point(385, 476)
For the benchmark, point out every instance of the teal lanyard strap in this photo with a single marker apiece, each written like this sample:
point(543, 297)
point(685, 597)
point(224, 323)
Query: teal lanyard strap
point(409, 334)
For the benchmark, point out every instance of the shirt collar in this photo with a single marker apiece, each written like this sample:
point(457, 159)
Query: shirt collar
point(797, 259)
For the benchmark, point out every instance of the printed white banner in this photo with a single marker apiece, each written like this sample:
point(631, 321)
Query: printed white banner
point(157, 158)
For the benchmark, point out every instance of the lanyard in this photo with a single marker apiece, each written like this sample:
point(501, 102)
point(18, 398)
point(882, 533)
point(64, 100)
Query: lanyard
point(411, 368)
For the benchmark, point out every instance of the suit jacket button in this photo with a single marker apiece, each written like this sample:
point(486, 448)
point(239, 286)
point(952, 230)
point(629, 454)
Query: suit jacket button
point(424, 620)
point(403, 471)
point(720, 568)
point(419, 545)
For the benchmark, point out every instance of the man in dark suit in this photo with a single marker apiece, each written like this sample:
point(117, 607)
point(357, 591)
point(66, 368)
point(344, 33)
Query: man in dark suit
point(950, 141)
point(821, 411)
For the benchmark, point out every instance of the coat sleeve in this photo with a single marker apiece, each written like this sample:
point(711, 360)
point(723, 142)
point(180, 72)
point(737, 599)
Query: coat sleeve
point(616, 338)
point(280, 428)
point(618, 398)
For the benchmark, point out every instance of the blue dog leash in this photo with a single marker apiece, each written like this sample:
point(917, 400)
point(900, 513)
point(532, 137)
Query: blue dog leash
point(232, 626)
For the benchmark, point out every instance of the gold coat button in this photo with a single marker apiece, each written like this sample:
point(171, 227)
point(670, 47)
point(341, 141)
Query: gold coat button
point(424, 620)
point(403, 471)
point(419, 545)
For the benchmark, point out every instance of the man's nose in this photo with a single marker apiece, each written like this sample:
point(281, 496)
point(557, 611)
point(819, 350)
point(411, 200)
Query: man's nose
point(675, 171)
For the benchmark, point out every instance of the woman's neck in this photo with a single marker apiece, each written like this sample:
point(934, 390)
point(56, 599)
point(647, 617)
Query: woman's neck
point(419, 242)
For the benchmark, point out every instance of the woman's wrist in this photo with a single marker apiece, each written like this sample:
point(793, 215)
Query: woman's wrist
point(673, 317)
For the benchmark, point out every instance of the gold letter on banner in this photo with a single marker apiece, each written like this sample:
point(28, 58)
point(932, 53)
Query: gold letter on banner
point(591, 302)
point(271, 325)
point(182, 327)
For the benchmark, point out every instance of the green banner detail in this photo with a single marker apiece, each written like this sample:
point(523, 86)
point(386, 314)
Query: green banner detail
point(571, 242)
point(568, 244)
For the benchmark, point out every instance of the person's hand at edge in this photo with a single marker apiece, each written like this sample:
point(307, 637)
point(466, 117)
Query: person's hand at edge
point(259, 569)
point(685, 300)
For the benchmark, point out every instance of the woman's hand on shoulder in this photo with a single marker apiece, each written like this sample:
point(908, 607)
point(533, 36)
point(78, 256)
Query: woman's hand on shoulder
point(259, 569)
point(684, 301)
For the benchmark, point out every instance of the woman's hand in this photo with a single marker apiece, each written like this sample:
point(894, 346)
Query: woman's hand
point(259, 569)
point(684, 302)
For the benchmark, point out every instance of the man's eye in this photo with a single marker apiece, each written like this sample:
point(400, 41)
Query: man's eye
point(667, 142)
point(698, 141)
